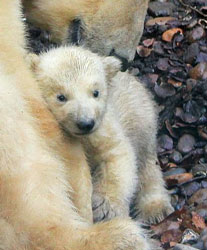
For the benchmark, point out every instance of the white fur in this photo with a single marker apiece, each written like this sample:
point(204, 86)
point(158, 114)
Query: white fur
point(36, 208)
point(105, 25)
point(123, 140)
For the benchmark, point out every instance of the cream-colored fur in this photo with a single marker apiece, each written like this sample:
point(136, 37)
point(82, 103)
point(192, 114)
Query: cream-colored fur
point(137, 113)
point(36, 209)
point(124, 134)
point(104, 25)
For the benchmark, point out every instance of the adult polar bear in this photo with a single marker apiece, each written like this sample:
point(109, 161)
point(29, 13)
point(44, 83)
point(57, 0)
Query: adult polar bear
point(102, 26)
point(36, 211)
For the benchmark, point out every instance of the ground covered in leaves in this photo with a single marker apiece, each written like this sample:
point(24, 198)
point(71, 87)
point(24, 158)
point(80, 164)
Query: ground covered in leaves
point(172, 61)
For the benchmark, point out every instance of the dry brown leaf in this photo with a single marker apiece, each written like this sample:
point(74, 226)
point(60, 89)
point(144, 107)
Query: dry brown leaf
point(174, 83)
point(171, 165)
point(198, 221)
point(159, 20)
point(169, 34)
point(148, 42)
point(172, 244)
point(178, 178)
point(173, 235)
point(143, 51)
point(199, 71)
point(164, 226)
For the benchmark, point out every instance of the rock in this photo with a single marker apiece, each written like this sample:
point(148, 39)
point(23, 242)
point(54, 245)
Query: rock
point(164, 161)
point(183, 247)
point(163, 64)
point(203, 237)
point(191, 53)
point(186, 143)
point(179, 113)
point(189, 236)
point(201, 210)
point(198, 245)
point(199, 197)
point(192, 111)
point(190, 83)
point(175, 157)
point(205, 150)
point(202, 131)
point(161, 9)
point(174, 171)
point(157, 48)
point(174, 200)
point(204, 184)
point(196, 34)
point(199, 169)
point(199, 72)
point(164, 143)
point(204, 10)
point(201, 57)
point(152, 78)
point(191, 188)
point(164, 90)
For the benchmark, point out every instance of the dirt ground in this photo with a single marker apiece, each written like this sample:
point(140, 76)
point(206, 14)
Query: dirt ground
point(172, 61)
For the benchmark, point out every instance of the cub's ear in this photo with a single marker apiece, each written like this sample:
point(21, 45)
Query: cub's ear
point(33, 61)
point(112, 66)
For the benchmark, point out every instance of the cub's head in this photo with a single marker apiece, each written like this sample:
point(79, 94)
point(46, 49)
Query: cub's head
point(74, 82)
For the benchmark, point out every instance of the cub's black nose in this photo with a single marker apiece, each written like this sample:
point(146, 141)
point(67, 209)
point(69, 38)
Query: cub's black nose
point(86, 126)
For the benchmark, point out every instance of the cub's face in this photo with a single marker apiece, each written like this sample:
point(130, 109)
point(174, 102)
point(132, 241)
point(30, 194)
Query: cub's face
point(74, 84)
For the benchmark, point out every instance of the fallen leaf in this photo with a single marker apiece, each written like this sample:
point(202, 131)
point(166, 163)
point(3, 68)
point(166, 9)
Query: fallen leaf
point(143, 52)
point(199, 72)
point(172, 244)
point(174, 235)
point(178, 179)
point(164, 91)
point(198, 221)
point(171, 165)
point(174, 83)
point(169, 34)
point(165, 226)
point(159, 20)
point(198, 197)
point(148, 42)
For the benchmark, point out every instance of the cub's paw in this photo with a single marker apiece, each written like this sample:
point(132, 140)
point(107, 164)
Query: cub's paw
point(104, 209)
point(154, 210)
point(130, 236)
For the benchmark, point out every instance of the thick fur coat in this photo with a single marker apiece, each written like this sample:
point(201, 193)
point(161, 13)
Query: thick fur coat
point(105, 27)
point(36, 189)
point(114, 117)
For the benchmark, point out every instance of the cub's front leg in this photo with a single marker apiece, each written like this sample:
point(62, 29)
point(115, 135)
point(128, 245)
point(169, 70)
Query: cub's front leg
point(115, 177)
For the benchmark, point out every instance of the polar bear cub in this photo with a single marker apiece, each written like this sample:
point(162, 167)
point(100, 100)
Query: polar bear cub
point(115, 118)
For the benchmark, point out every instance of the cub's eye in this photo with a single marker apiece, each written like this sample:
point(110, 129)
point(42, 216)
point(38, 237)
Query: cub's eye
point(96, 93)
point(62, 98)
